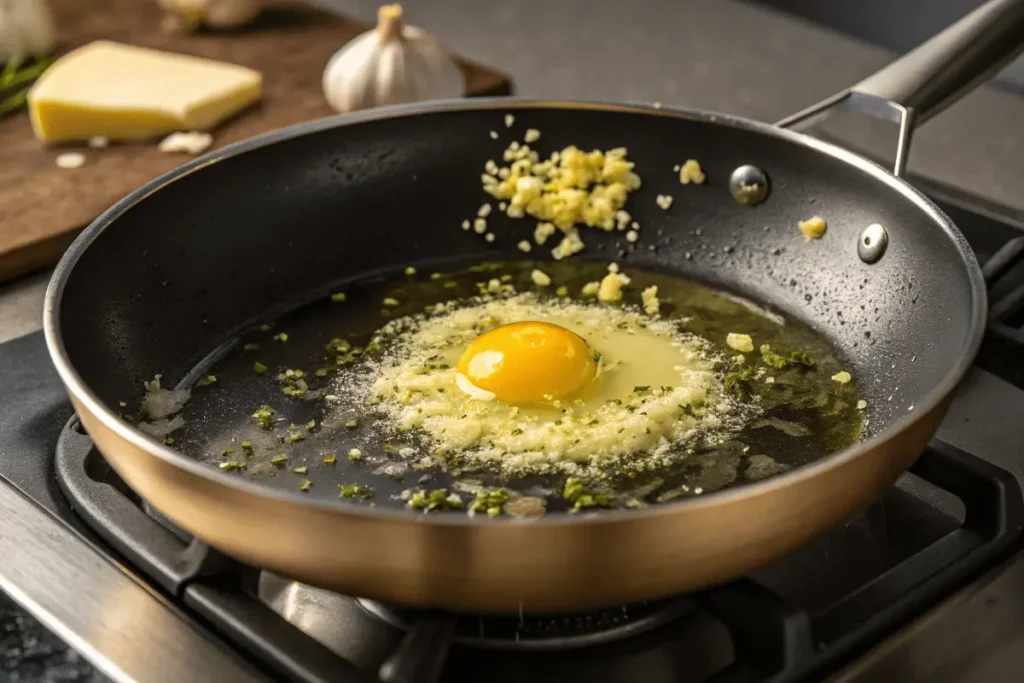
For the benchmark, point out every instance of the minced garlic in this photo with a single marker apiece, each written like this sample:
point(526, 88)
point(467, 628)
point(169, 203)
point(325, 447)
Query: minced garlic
point(484, 211)
point(664, 201)
point(610, 290)
point(466, 225)
point(540, 278)
point(489, 237)
point(813, 228)
point(543, 231)
point(509, 120)
point(649, 297)
point(632, 236)
point(479, 226)
point(741, 342)
point(532, 135)
point(842, 377)
point(570, 244)
point(861, 405)
point(524, 246)
point(691, 172)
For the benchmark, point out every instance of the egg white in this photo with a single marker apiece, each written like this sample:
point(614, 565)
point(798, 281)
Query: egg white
point(652, 374)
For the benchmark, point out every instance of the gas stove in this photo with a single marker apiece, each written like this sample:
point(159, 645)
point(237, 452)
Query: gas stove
point(924, 584)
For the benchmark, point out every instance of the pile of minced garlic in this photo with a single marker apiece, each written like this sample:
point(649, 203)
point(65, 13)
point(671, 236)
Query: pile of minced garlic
point(570, 188)
point(413, 384)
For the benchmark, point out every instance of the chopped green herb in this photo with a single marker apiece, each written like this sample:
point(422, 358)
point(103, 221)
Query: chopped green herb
point(321, 372)
point(438, 499)
point(436, 276)
point(451, 284)
point(251, 347)
point(310, 425)
point(772, 359)
point(517, 431)
point(354, 491)
point(247, 446)
point(206, 380)
point(227, 451)
point(279, 460)
point(739, 382)
point(352, 424)
point(592, 423)
point(265, 417)
point(562, 291)
point(410, 271)
point(266, 327)
point(281, 337)
point(330, 459)
point(641, 389)
point(575, 492)
point(259, 367)
point(338, 297)
point(801, 358)
point(305, 485)
point(491, 502)
point(390, 301)
point(229, 465)
point(169, 441)
point(301, 469)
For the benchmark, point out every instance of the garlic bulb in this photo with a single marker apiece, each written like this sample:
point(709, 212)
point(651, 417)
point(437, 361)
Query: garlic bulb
point(391, 64)
point(188, 15)
point(26, 29)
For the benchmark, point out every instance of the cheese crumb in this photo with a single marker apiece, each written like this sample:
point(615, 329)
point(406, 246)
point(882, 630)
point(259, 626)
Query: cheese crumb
point(613, 267)
point(532, 135)
point(649, 297)
point(479, 226)
point(489, 237)
point(861, 405)
point(740, 342)
point(611, 287)
point(70, 160)
point(664, 201)
point(842, 377)
point(466, 224)
point(509, 120)
point(543, 232)
point(540, 278)
point(98, 142)
point(570, 244)
point(813, 228)
point(590, 289)
point(193, 142)
point(484, 211)
point(494, 135)
point(632, 236)
point(691, 172)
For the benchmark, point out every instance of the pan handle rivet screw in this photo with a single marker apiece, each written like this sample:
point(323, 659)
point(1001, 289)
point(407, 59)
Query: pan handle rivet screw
point(748, 185)
point(872, 243)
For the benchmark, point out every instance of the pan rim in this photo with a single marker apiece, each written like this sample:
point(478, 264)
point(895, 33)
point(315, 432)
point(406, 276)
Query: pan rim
point(77, 387)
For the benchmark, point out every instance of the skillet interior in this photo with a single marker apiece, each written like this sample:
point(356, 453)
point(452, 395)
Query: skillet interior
point(177, 273)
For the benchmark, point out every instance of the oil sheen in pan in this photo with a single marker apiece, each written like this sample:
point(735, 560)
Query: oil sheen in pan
point(805, 417)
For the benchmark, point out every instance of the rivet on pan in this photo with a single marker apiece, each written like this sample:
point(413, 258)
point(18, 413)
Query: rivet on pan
point(748, 185)
point(872, 243)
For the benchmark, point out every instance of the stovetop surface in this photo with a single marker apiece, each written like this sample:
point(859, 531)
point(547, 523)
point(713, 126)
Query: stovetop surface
point(957, 515)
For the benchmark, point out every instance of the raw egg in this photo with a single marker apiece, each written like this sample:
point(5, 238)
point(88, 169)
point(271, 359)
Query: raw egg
point(527, 362)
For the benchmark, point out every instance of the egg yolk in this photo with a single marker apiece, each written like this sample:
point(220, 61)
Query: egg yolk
point(528, 362)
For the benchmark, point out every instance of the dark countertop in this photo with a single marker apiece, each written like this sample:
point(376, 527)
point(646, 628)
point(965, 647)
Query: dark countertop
point(723, 55)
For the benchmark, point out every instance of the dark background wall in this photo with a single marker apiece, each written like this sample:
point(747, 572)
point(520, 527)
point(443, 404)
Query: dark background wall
point(896, 24)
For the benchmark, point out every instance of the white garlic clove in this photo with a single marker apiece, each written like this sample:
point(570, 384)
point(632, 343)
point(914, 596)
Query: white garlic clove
point(26, 28)
point(391, 64)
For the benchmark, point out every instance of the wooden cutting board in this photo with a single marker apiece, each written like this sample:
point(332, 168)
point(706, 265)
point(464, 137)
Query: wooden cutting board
point(43, 207)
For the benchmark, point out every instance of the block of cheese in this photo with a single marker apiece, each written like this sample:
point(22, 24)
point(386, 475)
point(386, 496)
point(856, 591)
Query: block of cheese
point(123, 92)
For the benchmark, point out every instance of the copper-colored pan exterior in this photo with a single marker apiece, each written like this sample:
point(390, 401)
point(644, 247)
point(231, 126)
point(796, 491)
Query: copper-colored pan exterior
point(551, 566)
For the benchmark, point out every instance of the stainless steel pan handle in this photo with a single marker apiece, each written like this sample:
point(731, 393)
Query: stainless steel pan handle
point(926, 80)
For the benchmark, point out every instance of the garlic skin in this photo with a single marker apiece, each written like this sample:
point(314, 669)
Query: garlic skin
point(26, 29)
point(391, 64)
point(189, 15)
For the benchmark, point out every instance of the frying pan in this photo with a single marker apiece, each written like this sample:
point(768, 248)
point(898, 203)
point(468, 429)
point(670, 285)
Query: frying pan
point(188, 263)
